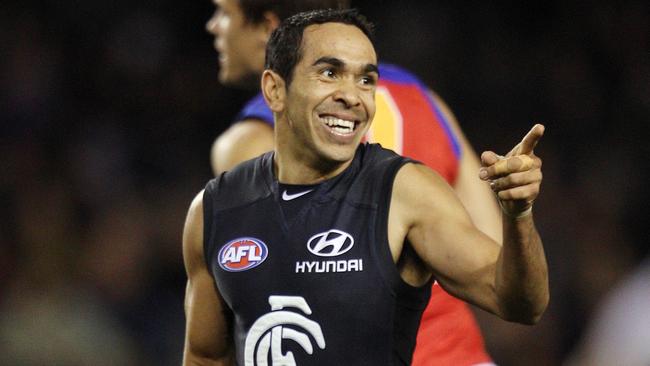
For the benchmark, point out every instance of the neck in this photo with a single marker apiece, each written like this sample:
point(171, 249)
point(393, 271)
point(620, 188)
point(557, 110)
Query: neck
point(301, 169)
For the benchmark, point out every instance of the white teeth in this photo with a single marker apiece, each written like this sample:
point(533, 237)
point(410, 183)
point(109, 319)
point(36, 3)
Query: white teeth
point(339, 125)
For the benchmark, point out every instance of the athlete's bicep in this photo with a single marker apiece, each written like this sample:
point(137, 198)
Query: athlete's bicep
point(242, 141)
point(207, 340)
point(462, 258)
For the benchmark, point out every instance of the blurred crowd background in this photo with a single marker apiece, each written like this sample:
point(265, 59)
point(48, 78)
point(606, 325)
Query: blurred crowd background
point(109, 108)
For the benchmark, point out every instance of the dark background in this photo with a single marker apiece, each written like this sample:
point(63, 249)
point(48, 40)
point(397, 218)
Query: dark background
point(109, 108)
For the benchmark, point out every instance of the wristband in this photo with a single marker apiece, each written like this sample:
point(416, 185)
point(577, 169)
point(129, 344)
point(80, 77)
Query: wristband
point(519, 215)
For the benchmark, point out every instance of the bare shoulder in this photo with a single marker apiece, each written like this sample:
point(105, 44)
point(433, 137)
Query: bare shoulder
point(193, 234)
point(242, 141)
point(413, 181)
point(247, 128)
point(422, 195)
point(413, 174)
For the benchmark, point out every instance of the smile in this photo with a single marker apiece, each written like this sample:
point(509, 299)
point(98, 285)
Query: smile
point(339, 126)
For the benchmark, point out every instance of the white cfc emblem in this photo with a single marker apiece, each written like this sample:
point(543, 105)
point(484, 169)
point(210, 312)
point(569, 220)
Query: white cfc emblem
point(267, 333)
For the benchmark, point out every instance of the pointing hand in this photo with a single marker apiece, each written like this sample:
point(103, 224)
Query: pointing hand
point(516, 177)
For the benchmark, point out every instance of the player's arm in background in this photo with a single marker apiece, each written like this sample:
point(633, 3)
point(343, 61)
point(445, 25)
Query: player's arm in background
point(242, 141)
point(475, 194)
point(207, 339)
point(510, 281)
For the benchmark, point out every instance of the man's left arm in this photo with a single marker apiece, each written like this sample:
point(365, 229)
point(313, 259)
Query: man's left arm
point(510, 281)
point(516, 179)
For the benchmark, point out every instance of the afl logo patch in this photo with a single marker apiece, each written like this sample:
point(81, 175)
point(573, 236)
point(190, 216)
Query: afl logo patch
point(242, 254)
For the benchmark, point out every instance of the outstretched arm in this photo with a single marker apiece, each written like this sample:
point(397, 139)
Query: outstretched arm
point(509, 281)
point(516, 178)
point(242, 141)
point(207, 339)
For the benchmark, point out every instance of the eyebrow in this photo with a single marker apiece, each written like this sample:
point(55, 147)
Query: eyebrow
point(331, 61)
point(371, 68)
point(338, 63)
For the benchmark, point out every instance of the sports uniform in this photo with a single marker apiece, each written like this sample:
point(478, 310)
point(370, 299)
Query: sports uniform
point(409, 122)
point(319, 286)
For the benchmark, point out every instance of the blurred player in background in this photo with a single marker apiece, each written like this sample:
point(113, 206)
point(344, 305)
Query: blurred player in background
point(410, 119)
point(619, 332)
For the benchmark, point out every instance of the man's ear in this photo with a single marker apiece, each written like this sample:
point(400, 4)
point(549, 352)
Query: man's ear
point(274, 90)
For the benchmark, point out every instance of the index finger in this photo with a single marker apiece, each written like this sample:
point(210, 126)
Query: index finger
point(531, 139)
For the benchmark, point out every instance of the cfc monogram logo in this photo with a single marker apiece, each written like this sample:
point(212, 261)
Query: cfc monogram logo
point(264, 339)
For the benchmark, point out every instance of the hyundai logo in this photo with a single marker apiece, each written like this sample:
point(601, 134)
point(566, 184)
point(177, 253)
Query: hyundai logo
point(330, 243)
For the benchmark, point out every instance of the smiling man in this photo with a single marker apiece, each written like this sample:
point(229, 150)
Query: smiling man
point(341, 273)
point(410, 119)
point(334, 96)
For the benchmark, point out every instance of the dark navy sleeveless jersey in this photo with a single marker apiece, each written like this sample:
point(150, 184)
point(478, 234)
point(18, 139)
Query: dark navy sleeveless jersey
point(321, 289)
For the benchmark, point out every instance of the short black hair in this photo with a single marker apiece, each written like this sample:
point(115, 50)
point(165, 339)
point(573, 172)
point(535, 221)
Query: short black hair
point(284, 49)
point(254, 9)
